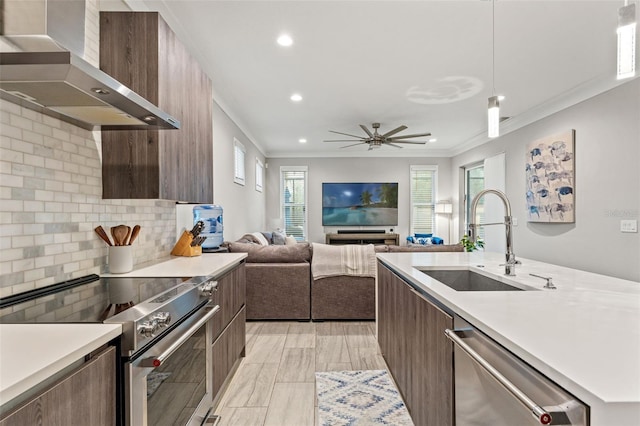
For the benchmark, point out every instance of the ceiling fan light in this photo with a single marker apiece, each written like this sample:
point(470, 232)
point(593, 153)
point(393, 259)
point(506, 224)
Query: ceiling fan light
point(626, 41)
point(493, 117)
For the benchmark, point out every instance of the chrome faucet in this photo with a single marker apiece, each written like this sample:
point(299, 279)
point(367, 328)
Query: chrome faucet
point(510, 265)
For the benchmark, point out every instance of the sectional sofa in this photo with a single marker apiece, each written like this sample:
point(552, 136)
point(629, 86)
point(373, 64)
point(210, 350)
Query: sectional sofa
point(280, 285)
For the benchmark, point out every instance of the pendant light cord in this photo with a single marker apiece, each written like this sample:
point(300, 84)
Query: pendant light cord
point(493, 47)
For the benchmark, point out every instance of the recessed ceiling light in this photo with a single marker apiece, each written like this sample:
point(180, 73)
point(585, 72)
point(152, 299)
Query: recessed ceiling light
point(433, 140)
point(285, 40)
point(501, 97)
point(302, 140)
point(296, 97)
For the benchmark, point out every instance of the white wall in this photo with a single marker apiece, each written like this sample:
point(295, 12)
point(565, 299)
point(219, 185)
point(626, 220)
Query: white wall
point(243, 206)
point(361, 169)
point(607, 154)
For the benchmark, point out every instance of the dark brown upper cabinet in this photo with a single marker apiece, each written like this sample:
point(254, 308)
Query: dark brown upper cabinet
point(140, 50)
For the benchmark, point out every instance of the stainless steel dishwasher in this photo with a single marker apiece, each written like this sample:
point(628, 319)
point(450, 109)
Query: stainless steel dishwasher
point(494, 387)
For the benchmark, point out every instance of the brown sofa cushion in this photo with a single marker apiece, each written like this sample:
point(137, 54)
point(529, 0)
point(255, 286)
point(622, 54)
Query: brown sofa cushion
point(297, 253)
point(427, 248)
point(278, 291)
point(343, 297)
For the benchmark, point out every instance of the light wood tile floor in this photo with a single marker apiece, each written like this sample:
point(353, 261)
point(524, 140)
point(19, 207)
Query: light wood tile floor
point(275, 382)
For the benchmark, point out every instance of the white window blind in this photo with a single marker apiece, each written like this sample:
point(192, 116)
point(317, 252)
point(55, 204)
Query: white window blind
point(238, 162)
point(293, 197)
point(423, 196)
point(259, 175)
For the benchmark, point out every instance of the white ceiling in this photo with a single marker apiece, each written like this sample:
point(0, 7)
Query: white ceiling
point(424, 64)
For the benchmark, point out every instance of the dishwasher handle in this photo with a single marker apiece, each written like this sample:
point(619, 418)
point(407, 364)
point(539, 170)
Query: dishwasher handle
point(537, 411)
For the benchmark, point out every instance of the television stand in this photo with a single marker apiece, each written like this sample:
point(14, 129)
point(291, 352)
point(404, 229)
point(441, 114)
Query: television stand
point(364, 238)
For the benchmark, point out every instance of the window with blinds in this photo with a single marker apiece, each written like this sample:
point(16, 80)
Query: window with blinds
point(423, 195)
point(238, 162)
point(259, 175)
point(293, 195)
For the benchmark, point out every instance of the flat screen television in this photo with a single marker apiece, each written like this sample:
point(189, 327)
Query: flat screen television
point(359, 204)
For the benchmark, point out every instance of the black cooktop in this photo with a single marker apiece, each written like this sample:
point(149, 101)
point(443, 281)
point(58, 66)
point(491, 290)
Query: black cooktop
point(89, 299)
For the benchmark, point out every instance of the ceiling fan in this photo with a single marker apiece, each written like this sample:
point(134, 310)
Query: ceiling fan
point(376, 140)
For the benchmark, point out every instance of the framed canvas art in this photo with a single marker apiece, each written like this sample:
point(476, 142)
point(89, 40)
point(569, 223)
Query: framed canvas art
point(550, 175)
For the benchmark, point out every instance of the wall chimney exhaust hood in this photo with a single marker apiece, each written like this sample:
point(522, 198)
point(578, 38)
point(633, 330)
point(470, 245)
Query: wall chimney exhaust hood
point(41, 68)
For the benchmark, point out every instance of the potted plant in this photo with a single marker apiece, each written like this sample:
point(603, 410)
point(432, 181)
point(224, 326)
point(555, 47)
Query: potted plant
point(471, 245)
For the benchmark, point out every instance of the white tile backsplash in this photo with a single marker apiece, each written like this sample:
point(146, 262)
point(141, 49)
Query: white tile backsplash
point(50, 192)
point(51, 197)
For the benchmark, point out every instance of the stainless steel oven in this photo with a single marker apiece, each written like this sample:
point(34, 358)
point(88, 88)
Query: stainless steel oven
point(169, 382)
point(165, 364)
point(167, 360)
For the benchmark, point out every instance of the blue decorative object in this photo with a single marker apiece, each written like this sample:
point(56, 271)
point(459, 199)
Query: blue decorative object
point(424, 239)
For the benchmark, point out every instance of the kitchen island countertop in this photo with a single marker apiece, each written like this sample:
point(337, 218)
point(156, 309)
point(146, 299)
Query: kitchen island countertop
point(585, 335)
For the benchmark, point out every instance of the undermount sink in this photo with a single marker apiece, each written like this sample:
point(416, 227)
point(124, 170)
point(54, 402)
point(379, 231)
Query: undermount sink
point(464, 280)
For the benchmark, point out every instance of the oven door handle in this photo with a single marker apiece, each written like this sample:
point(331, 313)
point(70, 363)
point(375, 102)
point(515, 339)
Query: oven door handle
point(156, 361)
point(538, 412)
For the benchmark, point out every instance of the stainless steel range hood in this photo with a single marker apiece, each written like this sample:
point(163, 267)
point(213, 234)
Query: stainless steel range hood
point(41, 68)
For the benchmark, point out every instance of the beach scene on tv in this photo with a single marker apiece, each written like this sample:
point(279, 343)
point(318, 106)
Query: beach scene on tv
point(364, 204)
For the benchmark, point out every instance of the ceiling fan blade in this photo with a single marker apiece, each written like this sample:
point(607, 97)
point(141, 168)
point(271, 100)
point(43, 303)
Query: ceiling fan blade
point(417, 135)
point(411, 142)
point(347, 146)
point(366, 130)
point(342, 140)
point(394, 145)
point(394, 131)
point(347, 134)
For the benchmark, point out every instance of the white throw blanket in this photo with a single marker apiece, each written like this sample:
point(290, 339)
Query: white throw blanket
point(330, 261)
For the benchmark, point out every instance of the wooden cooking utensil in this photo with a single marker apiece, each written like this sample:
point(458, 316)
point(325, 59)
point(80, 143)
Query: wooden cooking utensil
point(103, 235)
point(126, 238)
point(119, 234)
point(134, 234)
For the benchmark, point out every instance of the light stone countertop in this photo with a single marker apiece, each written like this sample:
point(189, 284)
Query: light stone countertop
point(177, 266)
point(585, 335)
point(31, 353)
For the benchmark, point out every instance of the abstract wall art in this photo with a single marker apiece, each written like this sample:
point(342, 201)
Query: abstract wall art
point(550, 174)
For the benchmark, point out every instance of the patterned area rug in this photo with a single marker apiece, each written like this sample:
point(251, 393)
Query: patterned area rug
point(358, 398)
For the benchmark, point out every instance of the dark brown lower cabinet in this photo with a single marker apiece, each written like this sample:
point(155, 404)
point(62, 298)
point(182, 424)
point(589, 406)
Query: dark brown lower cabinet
point(228, 325)
point(227, 349)
point(87, 396)
point(418, 354)
point(230, 296)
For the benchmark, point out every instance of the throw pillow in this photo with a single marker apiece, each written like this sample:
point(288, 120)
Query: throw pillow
point(261, 239)
point(423, 235)
point(423, 241)
point(278, 238)
point(290, 241)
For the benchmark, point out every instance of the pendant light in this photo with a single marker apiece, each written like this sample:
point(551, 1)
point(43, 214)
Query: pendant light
point(626, 41)
point(493, 112)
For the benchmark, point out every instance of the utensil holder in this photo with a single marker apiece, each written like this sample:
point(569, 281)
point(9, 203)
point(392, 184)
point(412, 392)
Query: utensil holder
point(120, 259)
point(183, 246)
